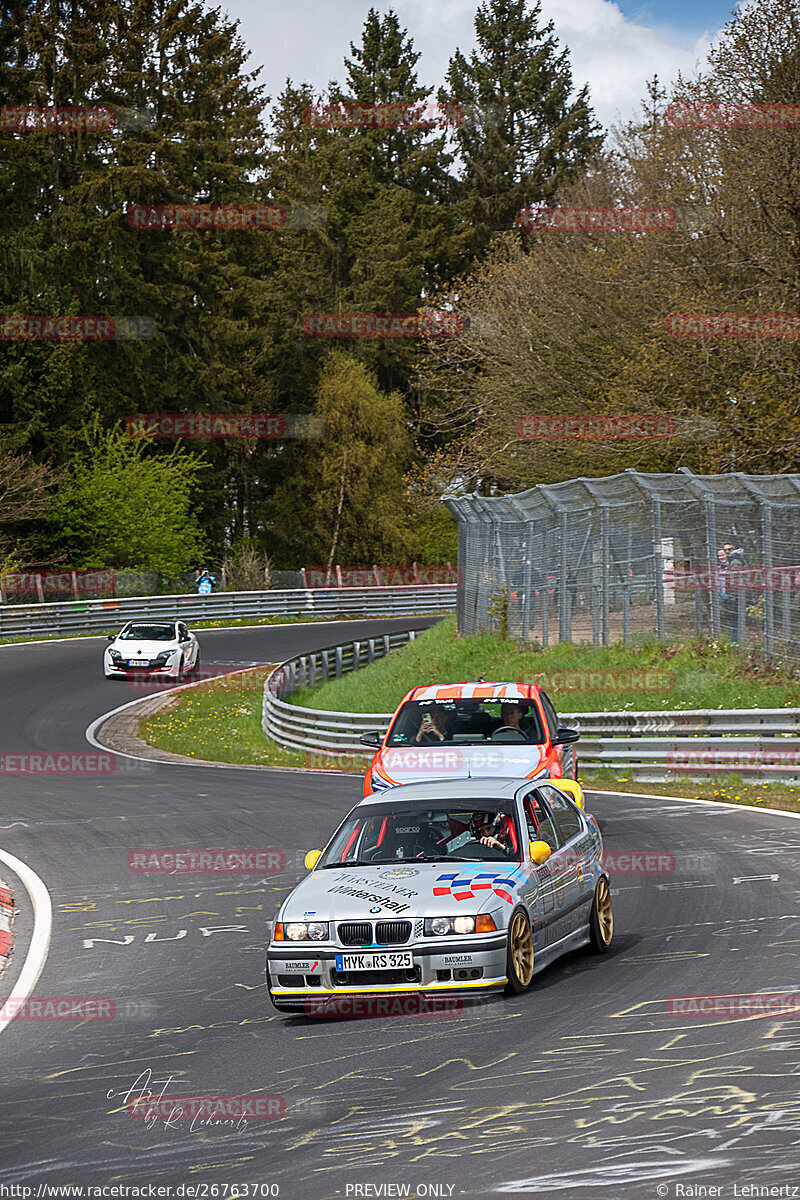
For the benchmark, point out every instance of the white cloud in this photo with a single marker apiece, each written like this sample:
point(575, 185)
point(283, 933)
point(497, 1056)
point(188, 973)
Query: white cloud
point(307, 40)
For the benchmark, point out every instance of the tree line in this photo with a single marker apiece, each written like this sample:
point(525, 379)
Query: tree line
point(403, 219)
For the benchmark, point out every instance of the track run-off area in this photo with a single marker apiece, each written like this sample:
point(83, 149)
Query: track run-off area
point(591, 1084)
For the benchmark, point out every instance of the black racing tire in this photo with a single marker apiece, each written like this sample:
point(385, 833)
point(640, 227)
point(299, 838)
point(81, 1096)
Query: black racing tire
point(601, 918)
point(181, 666)
point(519, 955)
point(196, 666)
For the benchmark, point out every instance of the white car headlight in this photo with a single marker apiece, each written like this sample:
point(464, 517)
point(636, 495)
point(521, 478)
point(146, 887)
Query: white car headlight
point(306, 931)
point(445, 926)
point(378, 783)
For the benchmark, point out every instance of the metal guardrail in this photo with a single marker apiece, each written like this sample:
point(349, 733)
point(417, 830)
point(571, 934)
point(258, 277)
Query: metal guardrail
point(648, 746)
point(100, 616)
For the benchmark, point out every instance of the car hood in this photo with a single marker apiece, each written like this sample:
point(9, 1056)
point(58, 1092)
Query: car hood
point(399, 890)
point(142, 649)
point(414, 764)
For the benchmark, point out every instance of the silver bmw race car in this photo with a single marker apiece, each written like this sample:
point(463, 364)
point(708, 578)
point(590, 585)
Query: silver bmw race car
point(462, 887)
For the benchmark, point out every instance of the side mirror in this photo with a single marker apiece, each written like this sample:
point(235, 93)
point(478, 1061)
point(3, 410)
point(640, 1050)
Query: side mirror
point(311, 859)
point(111, 637)
point(564, 736)
point(540, 852)
point(373, 738)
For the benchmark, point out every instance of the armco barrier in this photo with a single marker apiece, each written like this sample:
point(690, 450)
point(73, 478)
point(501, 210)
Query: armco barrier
point(97, 616)
point(759, 744)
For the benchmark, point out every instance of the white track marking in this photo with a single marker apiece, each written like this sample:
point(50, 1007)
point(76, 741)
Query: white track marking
point(42, 929)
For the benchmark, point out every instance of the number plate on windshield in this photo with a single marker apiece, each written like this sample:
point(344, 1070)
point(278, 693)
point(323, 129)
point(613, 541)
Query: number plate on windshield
point(374, 962)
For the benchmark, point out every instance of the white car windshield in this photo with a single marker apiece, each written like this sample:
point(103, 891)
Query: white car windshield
point(483, 833)
point(148, 633)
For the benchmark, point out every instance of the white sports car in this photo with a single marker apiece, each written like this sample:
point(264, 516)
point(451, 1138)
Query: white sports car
point(156, 649)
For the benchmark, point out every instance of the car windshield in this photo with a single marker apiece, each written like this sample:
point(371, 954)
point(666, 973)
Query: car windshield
point(148, 633)
point(466, 722)
point(486, 832)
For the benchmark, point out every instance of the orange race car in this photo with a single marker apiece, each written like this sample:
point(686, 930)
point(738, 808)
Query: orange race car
point(452, 730)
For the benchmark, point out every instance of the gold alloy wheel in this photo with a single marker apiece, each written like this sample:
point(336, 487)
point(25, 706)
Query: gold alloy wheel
point(605, 916)
point(520, 943)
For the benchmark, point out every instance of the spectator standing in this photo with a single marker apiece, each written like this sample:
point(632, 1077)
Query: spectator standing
point(206, 582)
point(727, 600)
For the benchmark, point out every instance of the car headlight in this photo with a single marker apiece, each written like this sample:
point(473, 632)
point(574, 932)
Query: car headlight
point(301, 931)
point(114, 655)
point(378, 782)
point(445, 926)
point(160, 659)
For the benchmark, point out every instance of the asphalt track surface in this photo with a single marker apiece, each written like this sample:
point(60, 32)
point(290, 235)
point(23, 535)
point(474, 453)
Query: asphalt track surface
point(585, 1086)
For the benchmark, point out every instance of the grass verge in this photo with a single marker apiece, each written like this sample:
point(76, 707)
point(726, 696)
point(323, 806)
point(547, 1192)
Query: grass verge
point(582, 678)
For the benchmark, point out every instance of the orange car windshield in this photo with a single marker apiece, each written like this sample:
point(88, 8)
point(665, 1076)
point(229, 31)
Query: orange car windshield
point(466, 722)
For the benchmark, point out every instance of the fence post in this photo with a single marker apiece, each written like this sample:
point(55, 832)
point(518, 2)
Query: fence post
point(371, 650)
point(75, 585)
point(606, 551)
point(564, 610)
point(39, 589)
point(3, 593)
point(356, 656)
point(711, 559)
point(305, 577)
point(338, 662)
point(769, 598)
point(325, 667)
point(338, 576)
point(658, 563)
point(595, 614)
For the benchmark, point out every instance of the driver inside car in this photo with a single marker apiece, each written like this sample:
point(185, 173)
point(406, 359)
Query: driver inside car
point(491, 831)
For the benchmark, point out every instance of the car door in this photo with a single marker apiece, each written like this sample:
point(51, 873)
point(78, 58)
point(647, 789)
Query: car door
point(542, 827)
point(574, 879)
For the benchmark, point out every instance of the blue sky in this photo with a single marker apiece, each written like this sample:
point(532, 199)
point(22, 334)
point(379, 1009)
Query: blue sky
point(614, 46)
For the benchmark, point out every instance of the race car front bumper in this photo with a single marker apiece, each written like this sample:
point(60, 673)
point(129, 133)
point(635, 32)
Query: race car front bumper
point(307, 982)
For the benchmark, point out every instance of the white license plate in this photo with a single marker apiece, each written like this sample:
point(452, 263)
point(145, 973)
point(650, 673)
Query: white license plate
point(375, 962)
point(138, 662)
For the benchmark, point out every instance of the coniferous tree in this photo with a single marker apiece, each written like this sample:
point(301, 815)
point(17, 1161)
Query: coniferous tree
point(525, 133)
